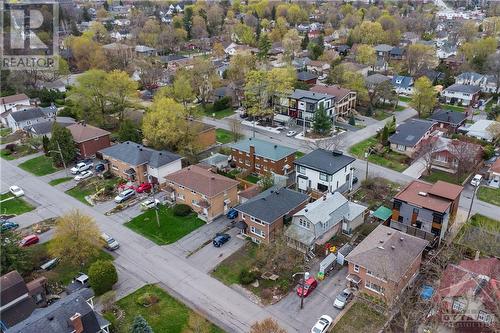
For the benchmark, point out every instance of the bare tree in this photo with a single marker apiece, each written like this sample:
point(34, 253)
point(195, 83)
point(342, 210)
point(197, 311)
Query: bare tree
point(268, 325)
point(467, 155)
point(425, 152)
point(150, 72)
point(235, 128)
point(493, 64)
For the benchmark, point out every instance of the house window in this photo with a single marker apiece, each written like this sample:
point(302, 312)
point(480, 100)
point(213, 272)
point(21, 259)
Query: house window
point(458, 305)
point(257, 166)
point(323, 176)
point(484, 317)
point(257, 232)
point(374, 287)
point(304, 223)
point(356, 268)
point(180, 196)
point(195, 202)
point(301, 169)
point(401, 147)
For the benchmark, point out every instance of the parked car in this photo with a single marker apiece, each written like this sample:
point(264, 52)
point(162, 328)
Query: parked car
point(110, 243)
point(343, 298)
point(83, 175)
point(232, 214)
point(309, 285)
point(100, 167)
point(79, 282)
point(144, 187)
point(149, 203)
point(125, 195)
point(291, 133)
point(29, 240)
point(81, 166)
point(8, 225)
point(490, 161)
point(50, 264)
point(16, 191)
point(322, 325)
point(220, 239)
point(476, 181)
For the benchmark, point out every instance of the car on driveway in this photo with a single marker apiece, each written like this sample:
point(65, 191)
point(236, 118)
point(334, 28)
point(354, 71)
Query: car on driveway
point(81, 166)
point(343, 298)
point(125, 195)
point(100, 167)
point(232, 214)
point(144, 187)
point(322, 325)
point(291, 133)
point(8, 225)
point(220, 239)
point(16, 191)
point(476, 181)
point(309, 285)
point(83, 175)
point(29, 240)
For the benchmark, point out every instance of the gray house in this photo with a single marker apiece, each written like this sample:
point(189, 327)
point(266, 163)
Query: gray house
point(320, 220)
point(25, 118)
point(409, 135)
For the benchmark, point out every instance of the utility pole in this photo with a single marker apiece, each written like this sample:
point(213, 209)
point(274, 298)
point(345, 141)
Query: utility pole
point(302, 285)
point(61, 155)
point(156, 205)
point(366, 158)
point(472, 202)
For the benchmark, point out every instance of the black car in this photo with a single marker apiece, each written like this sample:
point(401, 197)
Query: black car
point(220, 239)
point(99, 167)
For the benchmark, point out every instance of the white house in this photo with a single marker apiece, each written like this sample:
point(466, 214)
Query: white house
point(20, 119)
point(12, 102)
point(324, 171)
point(487, 83)
point(481, 129)
point(302, 104)
point(461, 94)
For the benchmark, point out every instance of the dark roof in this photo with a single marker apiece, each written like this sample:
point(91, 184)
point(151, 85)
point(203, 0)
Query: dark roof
point(463, 88)
point(402, 81)
point(397, 51)
point(409, 133)
point(135, 154)
point(448, 116)
point(272, 204)
point(171, 57)
point(306, 76)
point(325, 161)
point(45, 127)
point(223, 92)
point(28, 114)
point(12, 287)
point(56, 317)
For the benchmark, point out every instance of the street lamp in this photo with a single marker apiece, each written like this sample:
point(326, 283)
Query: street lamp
point(302, 284)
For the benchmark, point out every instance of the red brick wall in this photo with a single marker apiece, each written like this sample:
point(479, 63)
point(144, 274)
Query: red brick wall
point(90, 147)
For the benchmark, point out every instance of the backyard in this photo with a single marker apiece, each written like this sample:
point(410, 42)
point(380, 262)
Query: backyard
point(488, 194)
point(171, 229)
point(444, 176)
point(224, 136)
point(376, 192)
point(480, 233)
point(360, 318)
point(13, 205)
point(164, 313)
point(39, 166)
point(388, 158)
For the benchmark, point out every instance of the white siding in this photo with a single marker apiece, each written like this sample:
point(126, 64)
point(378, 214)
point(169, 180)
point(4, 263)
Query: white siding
point(167, 169)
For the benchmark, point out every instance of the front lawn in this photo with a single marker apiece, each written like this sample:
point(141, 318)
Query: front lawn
point(389, 159)
point(228, 271)
point(80, 193)
point(453, 107)
point(90, 186)
point(488, 194)
point(360, 318)
point(361, 147)
point(224, 136)
point(208, 111)
point(166, 315)
point(58, 181)
point(19, 151)
point(252, 178)
point(376, 192)
point(172, 228)
point(5, 131)
point(39, 166)
point(380, 114)
point(405, 99)
point(444, 176)
point(14, 206)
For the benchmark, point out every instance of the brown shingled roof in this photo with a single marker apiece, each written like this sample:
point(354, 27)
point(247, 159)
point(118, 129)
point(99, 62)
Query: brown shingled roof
point(336, 91)
point(496, 166)
point(435, 198)
point(201, 180)
point(446, 190)
point(13, 98)
point(83, 132)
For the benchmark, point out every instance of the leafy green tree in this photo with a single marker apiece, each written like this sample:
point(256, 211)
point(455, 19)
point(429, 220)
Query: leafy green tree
point(264, 46)
point(266, 181)
point(140, 325)
point(181, 91)
point(89, 95)
point(13, 257)
point(121, 90)
point(102, 276)
point(322, 124)
point(424, 97)
point(62, 139)
point(188, 20)
point(129, 131)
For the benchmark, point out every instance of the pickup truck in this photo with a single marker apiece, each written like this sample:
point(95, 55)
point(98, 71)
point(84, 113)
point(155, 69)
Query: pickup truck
point(79, 282)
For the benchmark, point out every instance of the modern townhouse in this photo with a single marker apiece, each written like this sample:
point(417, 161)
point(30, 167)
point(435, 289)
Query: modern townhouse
point(303, 104)
point(344, 101)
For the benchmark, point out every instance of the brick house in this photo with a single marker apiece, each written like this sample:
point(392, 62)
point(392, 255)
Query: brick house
point(137, 163)
point(448, 121)
point(426, 210)
point(447, 153)
point(207, 193)
point(206, 134)
point(385, 263)
point(89, 139)
point(263, 216)
point(261, 157)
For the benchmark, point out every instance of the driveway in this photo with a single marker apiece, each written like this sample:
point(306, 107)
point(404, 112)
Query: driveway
point(416, 169)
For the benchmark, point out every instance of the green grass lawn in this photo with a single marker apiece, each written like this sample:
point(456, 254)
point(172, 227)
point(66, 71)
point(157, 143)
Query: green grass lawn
point(39, 166)
point(172, 228)
point(229, 270)
point(360, 148)
point(58, 181)
point(480, 233)
point(5, 154)
point(479, 220)
point(168, 315)
point(252, 178)
point(488, 194)
point(391, 159)
point(223, 136)
point(380, 114)
point(15, 206)
point(400, 108)
point(405, 99)
point(208, 111)
point(80, 193)
point(21, 151)
point(444, 176)
point(453, 107)
point(299, 154)
point(5, 131)
point(359, 318)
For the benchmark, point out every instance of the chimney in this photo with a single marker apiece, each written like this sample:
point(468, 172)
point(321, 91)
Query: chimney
point(76, 321)
point(476, 257)
point(401, 239)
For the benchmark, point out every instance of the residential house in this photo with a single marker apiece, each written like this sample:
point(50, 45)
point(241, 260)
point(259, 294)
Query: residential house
point(385, 263)
point(137, 163)
point(302, 104)
point(344, 99)
point(145, 51)
point(448, 121)
point(209, 194)
point(494, 172)
point(265, 214)
point(19, 120)
point(322, 219)
point(375, 79)
point(411, 37)
point(381, 65)
point(469, 292)
point(357, 67)
point(72, 313)
point(233, 49)
point(409, 135)
point(12, 102)
point(222, 92)
point(206, 136)
point(216, 160)
point(343, 50)
point(434, 76)
point(481, 130)
point(318, 67)
point(44, 128)
point(397, 53)
point(447, 153)
point(89, 139)
point(307, 77)
point(19, 299)
point(383, 51)
point(301, 63)
point(403, 85)
point(57, 85)
point(461, 94)
point(426, 210)
point(487, 83)
point(447, 51)
point(259, 156)
point(324, 171)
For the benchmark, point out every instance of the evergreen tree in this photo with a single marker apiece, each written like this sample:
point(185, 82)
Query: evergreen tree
point(273, 13)
point(188, 20)
point(85, 15)
point(384, 136)
point(264, 46)
point(62, 139)
point(322, 124)
point(257, 30)
point(305, 42)
point(140, 325)
point(45, 144)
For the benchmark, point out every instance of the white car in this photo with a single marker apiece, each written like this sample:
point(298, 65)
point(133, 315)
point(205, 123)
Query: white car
point(476, 181)
point(343, 298)
point(322, 325)
point(291, 133)
point(83, 175)
point(82, 166)
point(149, 203)
point(16, 191)
point(125, 195)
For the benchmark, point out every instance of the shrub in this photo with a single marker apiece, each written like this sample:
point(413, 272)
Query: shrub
point(225, 150)
point(284, 285)
point(11, 147)
point(222, 104)
point(247, 277)
point(147, 299)
point(182, 210)
point(488, 152)
point(102, 276)
point(109, 189)
point(267, 293)
point(107, 175)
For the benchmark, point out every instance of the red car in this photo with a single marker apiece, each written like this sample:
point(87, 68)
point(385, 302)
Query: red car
point(144, 187)
point(310, 285)
point(29, 240)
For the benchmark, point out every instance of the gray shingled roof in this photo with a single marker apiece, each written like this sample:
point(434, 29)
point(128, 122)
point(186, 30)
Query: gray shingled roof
point(135, 154)
point(263, 148)
point(463, 88)
point(306, 76)
point(273, 203)
point(325, 161)
point(448, 116)
point(409, 133)
point(28, 114)
point(310, 95)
